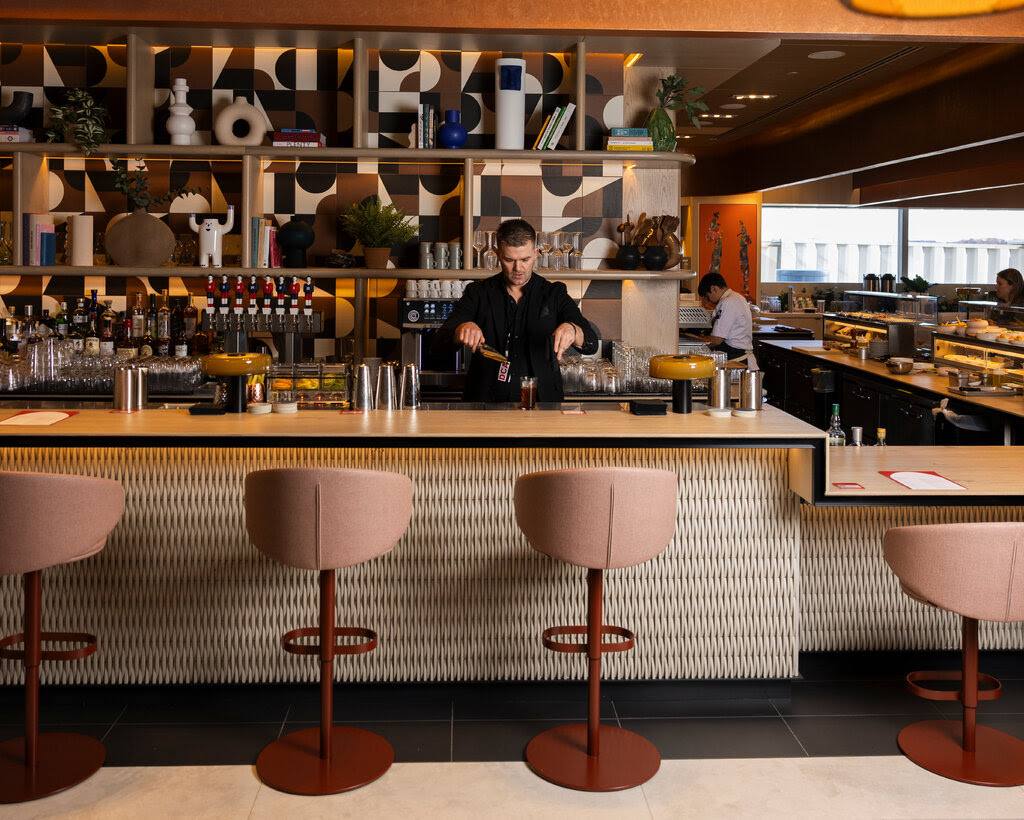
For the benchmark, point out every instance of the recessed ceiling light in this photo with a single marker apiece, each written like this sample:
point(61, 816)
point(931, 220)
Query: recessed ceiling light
point(826, 55)
point(717, 116)
point(733, 105)
point(753, 96)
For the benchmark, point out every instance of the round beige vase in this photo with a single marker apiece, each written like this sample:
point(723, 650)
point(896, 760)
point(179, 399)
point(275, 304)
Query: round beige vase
point(139, 240)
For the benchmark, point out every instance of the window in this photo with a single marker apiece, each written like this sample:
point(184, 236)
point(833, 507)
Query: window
point(827, 244)
point(963, 246)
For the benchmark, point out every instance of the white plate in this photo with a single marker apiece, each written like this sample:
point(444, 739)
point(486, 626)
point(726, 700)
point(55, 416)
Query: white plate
point(718, 412)
point(744, 413)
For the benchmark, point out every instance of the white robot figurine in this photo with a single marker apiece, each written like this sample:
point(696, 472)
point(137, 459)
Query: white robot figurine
point(211, 244)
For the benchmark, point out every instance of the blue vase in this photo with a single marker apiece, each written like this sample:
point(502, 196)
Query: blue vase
point(451, 134)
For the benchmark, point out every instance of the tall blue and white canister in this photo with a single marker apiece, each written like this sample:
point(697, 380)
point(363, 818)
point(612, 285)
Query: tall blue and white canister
point(510, 103)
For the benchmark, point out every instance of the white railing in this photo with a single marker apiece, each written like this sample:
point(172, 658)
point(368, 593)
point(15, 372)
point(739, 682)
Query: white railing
point(939, 263)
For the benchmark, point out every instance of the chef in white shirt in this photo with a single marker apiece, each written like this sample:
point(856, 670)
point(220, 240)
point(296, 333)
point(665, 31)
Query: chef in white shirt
point(731, 330)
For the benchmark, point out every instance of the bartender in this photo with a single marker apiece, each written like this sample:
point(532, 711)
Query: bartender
point(523, 316)
point(731, 326)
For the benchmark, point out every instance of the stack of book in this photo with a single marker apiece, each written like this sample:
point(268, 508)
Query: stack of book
point(629, 139)
point(264, 252)
point(299, 138)
point(38, 239)
point(554, 127)
point(426, 126)
point(13, 133)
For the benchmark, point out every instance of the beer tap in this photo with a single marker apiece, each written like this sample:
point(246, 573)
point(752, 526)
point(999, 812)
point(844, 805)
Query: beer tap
point(268, 293)
point(211, 289)
point(225, 288)
point(254, 288)
point(279, 303)
point(293, 300)
point(307, 303)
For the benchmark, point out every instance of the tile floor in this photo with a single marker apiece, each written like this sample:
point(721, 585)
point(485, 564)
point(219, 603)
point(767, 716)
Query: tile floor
point(822, 744)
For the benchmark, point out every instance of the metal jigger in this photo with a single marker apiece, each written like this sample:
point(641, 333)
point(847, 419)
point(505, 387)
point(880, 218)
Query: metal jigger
point(387, 394)
point(410, 395)
point(363, 397)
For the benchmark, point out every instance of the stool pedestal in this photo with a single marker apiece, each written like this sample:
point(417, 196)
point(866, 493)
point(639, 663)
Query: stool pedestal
point(592, 757)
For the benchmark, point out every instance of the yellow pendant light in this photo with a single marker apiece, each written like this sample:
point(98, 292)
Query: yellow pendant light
point(933, 8)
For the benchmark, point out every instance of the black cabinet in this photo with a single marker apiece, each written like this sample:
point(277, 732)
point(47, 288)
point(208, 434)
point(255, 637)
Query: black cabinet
point(909, 419)
point(860, 404)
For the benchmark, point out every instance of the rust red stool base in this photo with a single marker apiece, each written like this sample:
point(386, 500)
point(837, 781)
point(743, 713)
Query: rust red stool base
point(64, 760)
point(293, 763)
point(560, 755)
point(936, 745)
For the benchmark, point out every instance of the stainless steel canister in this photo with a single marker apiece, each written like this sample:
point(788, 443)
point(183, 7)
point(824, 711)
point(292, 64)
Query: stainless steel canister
point(129, 389)
point(720, 389)
point(363, 397)
point(750, 390)
point(387, 392)
point(410, 394)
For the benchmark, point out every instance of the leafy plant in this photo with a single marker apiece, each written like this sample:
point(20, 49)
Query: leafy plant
point(81, 120)
point(674, 95)
point(376, 225)
point(134, 184)
point(916, 285)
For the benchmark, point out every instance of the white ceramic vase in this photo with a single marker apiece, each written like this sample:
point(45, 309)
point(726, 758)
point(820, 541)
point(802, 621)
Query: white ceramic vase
point(180, 124)
point(240, 111)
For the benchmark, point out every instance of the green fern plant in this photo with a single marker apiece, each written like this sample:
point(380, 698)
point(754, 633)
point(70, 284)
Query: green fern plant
point(674, 95)
point(134, 184)
point(376, 225)
point(80, 120)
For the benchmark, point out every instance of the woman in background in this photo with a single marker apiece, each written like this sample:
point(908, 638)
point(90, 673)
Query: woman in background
point(1010, 287)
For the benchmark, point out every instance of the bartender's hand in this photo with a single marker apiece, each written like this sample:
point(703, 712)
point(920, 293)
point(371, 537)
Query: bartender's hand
point(470, 334)
point(566, 337)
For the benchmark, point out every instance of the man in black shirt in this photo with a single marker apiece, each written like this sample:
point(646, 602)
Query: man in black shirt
point(527, 318)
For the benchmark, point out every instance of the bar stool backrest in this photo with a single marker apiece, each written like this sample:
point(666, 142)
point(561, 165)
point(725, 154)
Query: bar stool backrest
point(324, 519)
point(975, 570)
point(599, 518)
point(48, 519)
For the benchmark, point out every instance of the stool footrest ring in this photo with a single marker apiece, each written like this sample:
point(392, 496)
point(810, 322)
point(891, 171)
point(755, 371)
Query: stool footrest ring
point(994, 691)
point(290, 640)
point(84, 651)
point(563, 646)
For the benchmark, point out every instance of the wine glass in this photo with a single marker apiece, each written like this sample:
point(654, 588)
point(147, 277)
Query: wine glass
point(543, 245)
point(565, 245)
point(479, 244)
point(490, 255)
point(576, 257)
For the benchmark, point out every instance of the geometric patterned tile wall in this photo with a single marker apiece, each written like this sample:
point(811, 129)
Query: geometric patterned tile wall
point(179, 595)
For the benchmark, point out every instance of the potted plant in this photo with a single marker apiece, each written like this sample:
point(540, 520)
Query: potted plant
point(918, 284)
point(140, 239)
point(377, 227)
point(80, 120)
point(673, 95)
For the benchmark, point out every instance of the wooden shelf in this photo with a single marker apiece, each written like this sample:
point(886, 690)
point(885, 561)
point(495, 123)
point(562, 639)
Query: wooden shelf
point(646, 159)
point(335, 273)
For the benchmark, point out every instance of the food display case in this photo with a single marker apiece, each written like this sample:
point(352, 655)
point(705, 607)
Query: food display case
point(985, 339)
point(315, 385)
point(872, 315)
point(1007, 317)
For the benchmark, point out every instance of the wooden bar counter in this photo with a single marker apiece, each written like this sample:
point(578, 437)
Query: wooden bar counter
point(180, 595)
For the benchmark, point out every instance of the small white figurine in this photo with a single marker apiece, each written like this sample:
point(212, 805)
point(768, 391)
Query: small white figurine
point(211, 244)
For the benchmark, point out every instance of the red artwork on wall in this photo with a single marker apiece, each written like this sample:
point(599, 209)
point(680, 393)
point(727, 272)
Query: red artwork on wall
point(727, 244)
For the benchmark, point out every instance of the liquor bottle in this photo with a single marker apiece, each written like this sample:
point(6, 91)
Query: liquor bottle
point(93, 309)
point(92, 338)
point(856, 436)
point(3, 339)
point(127, 346)
point(179, 344)
point(107, 330)
point(163, 326)
point(63, 321)
point(138, 320)
point(881, 437)
point(46, 327)
point(30, 327)
point(836, 436)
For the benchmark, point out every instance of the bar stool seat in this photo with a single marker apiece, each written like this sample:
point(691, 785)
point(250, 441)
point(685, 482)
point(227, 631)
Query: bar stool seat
point(976, 571)
point(47, 520)
point(599, 518)
point(326, 519)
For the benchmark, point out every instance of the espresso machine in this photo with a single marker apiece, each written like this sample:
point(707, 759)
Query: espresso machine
point(419, 320)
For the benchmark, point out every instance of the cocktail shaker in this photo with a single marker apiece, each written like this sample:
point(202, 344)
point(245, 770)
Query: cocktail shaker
point(387, 394)
point(750, 390)
point(363, 397)
point(410, 394)
point(720, 389)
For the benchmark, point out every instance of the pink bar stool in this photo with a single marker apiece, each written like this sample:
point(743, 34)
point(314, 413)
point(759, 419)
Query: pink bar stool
point(32, 539)
point(601, 518)
point(977, 571)
point(324, 519)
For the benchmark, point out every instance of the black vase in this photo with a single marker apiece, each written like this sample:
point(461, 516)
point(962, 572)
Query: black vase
point(655, 257)
point(294, 237)
point(18, 109)
point(628, 257)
